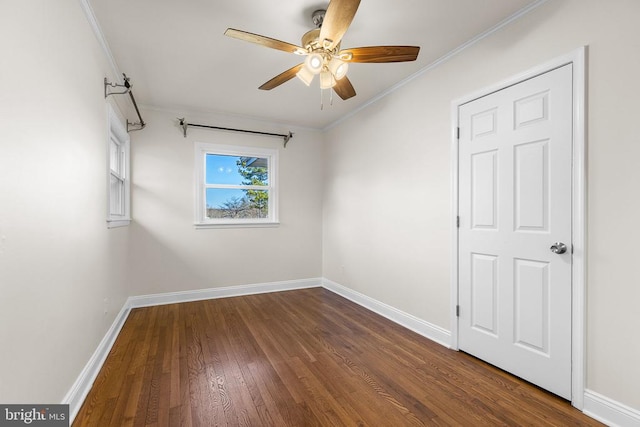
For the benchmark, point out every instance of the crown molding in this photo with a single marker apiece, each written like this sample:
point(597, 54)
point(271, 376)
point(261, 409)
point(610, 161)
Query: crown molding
point(446, 57)
point(95, 26)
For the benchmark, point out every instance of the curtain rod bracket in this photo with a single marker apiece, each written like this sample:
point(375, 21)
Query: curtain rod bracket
point(108, 85)
point(131, 126)
point(184, 125)
point(287, 138)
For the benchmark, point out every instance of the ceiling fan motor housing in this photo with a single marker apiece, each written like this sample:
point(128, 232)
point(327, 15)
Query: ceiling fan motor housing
point(310, 39)
point(311, 42)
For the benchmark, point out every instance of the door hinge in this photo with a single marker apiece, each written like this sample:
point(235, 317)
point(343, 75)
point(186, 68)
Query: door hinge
point(458, 221)
point(457, 311)
point(458, 133)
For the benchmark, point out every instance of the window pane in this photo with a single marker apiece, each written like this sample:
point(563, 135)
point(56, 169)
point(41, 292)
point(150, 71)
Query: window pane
point(223, 203)
point(116, 198)
point(236, 170)
point(114, 157)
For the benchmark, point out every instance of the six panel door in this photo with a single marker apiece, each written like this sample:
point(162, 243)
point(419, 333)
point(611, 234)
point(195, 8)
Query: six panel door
point(515, 154)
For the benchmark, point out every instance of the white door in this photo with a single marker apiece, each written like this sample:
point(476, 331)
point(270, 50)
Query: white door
point(515, 203)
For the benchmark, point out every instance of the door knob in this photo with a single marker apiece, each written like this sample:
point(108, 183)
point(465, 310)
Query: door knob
point(558, 248)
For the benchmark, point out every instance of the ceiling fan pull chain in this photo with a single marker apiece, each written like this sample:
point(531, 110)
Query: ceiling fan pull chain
point(321, 103)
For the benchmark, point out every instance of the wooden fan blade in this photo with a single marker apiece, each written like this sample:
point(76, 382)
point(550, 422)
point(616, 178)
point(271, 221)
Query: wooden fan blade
point(379, 54)
point(281, 78)
point(344, 88)
point(264, 41)
point(336, 21)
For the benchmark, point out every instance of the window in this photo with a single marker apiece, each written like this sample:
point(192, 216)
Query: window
point(118, 173)
point(235, 186)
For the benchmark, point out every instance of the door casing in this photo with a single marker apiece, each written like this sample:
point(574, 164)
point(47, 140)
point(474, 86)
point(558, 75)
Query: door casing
point(579, 205)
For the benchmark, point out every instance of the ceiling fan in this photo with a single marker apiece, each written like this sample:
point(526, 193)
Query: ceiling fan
point(321, 46)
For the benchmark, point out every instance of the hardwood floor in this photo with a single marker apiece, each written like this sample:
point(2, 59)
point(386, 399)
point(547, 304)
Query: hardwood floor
point(300, 358)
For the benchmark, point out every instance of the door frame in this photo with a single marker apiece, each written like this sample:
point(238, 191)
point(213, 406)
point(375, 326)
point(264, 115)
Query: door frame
point(578, 209)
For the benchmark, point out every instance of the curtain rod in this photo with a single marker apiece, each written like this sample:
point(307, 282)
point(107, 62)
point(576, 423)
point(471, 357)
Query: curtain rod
point(130, 126)
point(184, 125)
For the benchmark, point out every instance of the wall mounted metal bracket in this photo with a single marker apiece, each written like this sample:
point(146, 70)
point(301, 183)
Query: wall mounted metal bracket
point(131, 126)
point(108, 85)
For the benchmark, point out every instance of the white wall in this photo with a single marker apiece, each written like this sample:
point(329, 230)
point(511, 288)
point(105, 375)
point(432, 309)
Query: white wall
point(387, 188)
point(169, 254)
point(58, 261)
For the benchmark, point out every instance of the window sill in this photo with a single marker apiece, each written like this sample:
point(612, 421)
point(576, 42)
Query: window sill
point(116, 223)
point(207, 225)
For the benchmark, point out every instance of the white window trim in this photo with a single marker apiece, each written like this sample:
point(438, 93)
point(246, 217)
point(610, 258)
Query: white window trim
point(118, 132)
point(201, 220)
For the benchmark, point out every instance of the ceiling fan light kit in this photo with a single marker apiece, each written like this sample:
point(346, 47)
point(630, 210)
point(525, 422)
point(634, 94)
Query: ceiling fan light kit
point(305, 75)
point(326, 80)
point(314, 63)
point(338, 68)
point(327, 64)
point(322, 49)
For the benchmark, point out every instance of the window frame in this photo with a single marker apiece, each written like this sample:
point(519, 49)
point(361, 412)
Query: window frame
point(201, 150)
point(117, 134)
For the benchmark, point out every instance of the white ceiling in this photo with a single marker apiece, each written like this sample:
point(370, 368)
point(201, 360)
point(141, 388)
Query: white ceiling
point(178, 58)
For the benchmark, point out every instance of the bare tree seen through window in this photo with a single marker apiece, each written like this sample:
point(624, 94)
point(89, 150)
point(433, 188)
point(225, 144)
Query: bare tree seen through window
point(255, 202)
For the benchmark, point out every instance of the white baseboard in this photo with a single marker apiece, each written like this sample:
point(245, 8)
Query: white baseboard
point(226, 292)
point(596, 405)
point(609, 411)
point(81, 387)
point(419, 326)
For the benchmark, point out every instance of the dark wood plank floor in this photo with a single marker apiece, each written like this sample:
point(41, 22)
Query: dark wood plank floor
point(300, 358)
